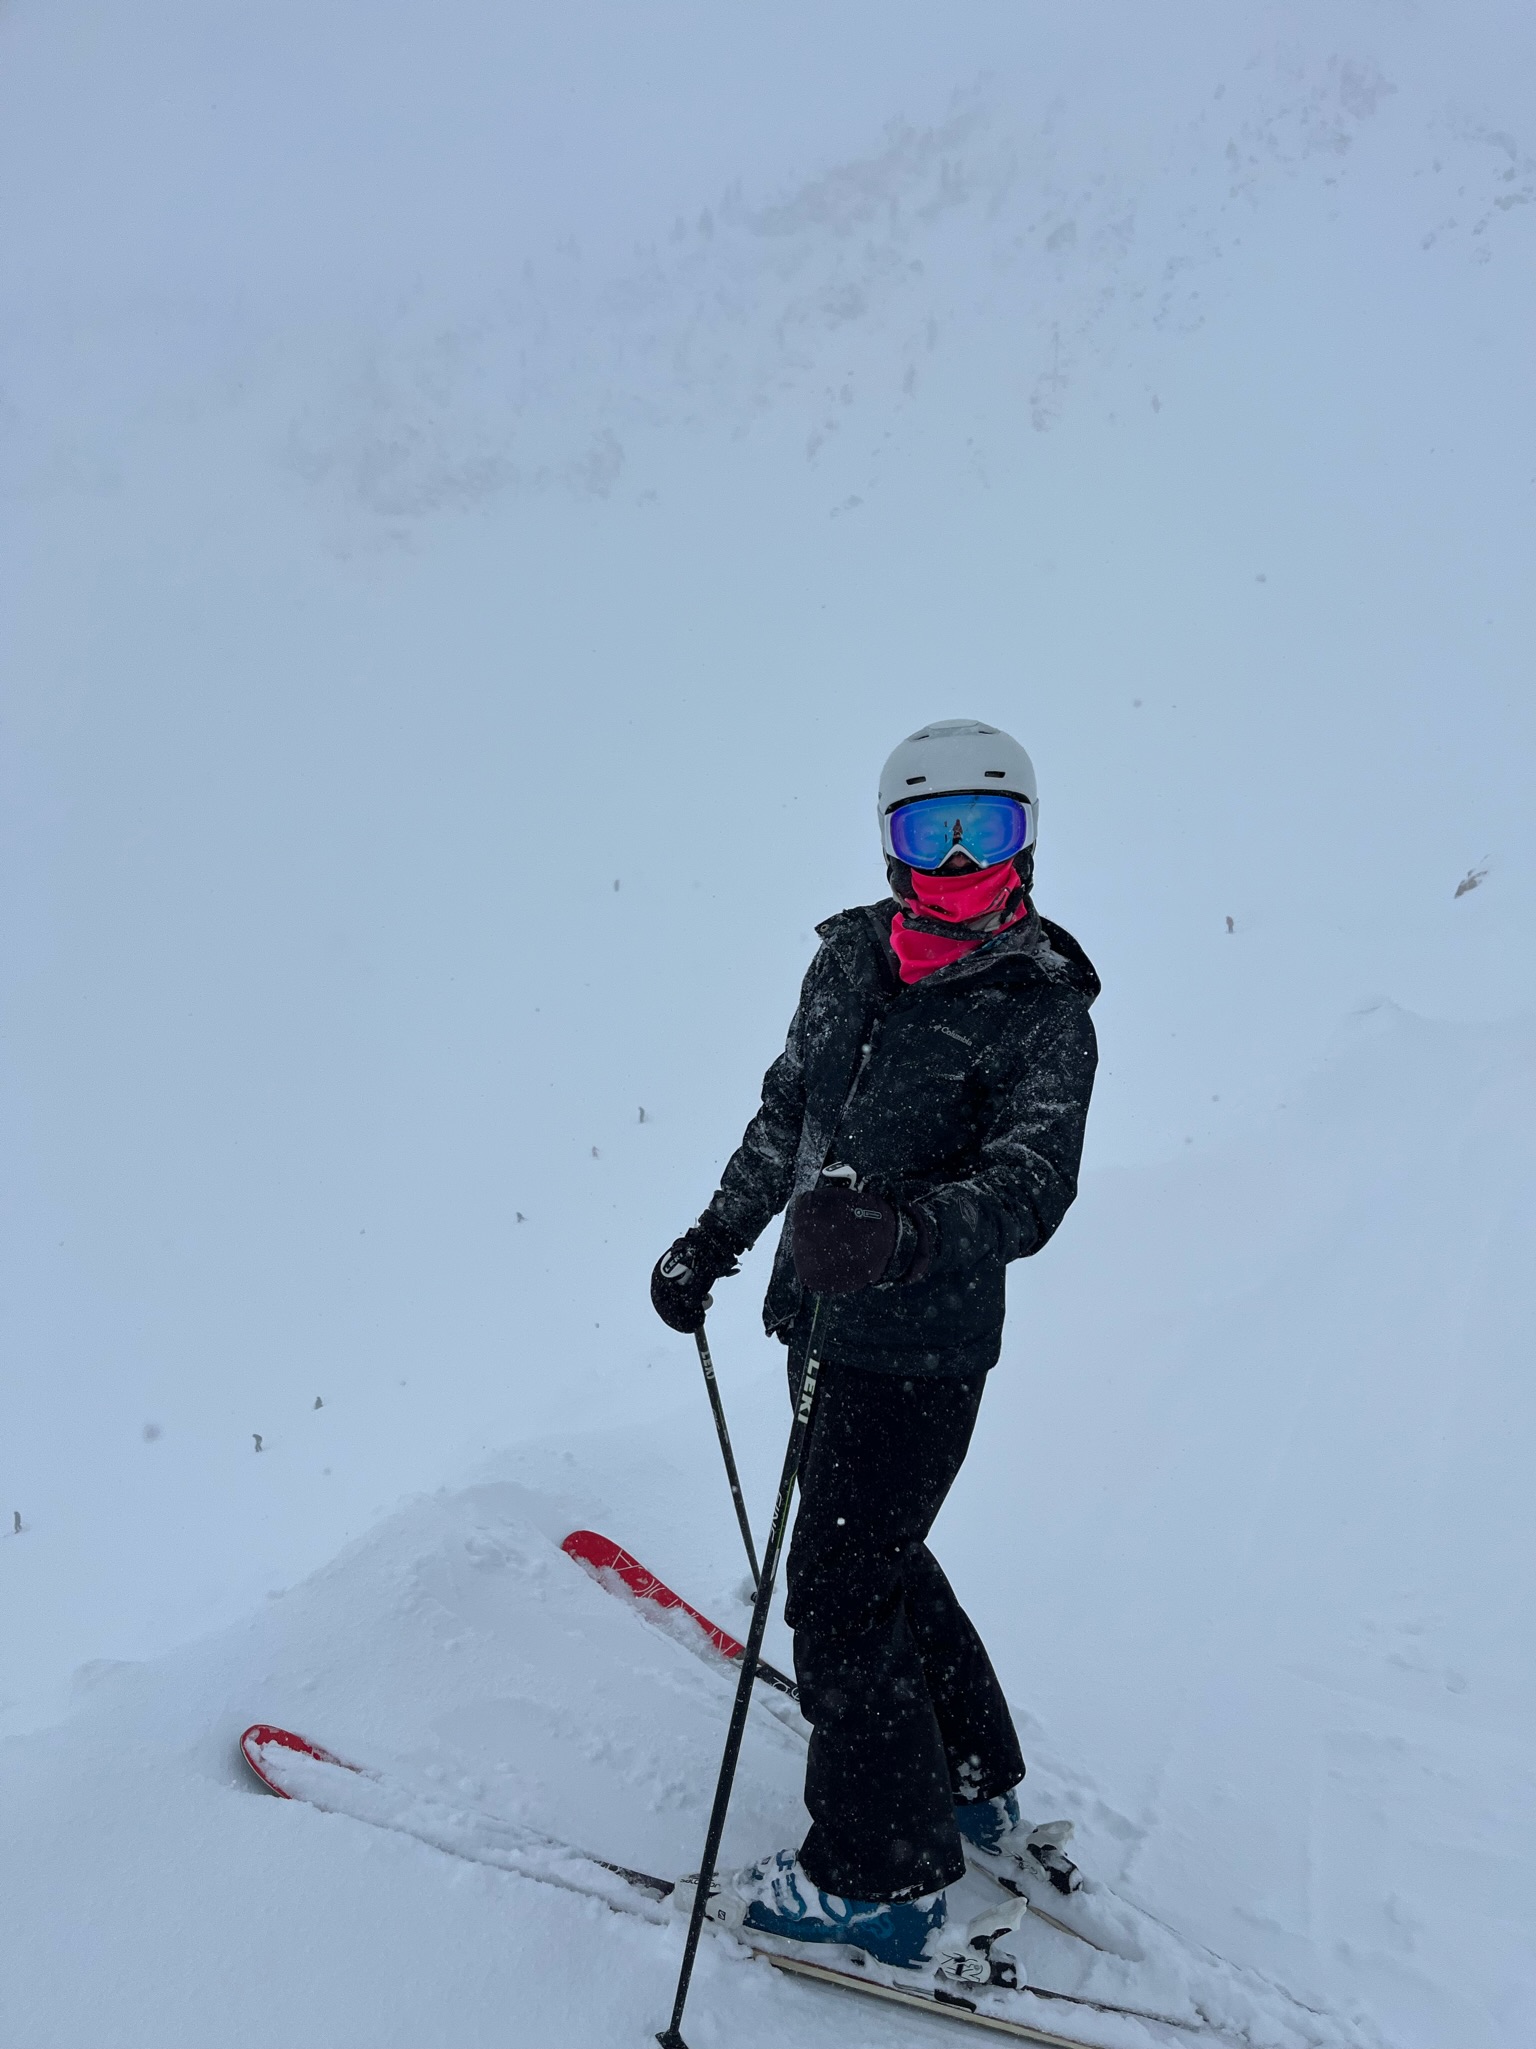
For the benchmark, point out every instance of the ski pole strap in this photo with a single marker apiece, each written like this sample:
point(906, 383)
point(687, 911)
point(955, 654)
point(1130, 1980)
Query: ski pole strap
point(805, 1408)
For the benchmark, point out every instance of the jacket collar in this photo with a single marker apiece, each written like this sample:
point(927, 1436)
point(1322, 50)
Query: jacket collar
point(859, 940)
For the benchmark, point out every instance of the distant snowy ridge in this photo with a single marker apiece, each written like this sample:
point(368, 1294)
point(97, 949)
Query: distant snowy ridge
point(987, 239)
point(822, 308)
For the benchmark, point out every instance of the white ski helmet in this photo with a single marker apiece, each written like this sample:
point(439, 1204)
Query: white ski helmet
point(955, 756)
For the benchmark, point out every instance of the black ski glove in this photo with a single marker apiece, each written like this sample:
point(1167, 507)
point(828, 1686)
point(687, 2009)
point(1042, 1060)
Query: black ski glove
point(685, 1273)
point(846, 1238)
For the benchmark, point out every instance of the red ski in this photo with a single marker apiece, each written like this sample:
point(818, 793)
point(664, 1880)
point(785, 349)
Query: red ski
point(294, 1768)
point(262, 1744)
point(600, 1555)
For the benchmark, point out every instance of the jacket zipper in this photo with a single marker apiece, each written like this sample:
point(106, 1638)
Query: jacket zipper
point(866, 1053)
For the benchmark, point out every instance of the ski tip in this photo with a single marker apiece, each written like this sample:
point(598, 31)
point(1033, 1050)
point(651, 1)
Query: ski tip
point(589, 1547)
point(262, 1739)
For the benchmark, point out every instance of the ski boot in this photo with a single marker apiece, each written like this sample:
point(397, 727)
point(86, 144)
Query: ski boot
point(775, 1897)
point(997, 1839)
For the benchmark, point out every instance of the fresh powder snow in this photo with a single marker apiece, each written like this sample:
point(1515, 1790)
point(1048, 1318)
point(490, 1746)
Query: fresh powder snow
point(481, 492)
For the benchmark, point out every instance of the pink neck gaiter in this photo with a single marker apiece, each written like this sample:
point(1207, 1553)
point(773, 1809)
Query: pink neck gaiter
point(956, 900)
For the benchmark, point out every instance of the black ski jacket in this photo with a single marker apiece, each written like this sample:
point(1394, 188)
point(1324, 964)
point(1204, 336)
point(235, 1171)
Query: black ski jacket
point(962, 1097)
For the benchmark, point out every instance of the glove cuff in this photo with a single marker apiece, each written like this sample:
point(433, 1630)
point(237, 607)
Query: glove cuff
point(717, 1243)
point(913, 1255)
point(715, 1246)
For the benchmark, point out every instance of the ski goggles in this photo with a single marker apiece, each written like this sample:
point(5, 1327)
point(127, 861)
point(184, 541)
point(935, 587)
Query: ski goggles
point(986, 825)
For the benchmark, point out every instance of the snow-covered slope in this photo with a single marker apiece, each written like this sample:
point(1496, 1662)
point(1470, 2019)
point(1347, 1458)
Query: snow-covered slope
point(461, 1647)
point(478, 497)
point(1246, 1529)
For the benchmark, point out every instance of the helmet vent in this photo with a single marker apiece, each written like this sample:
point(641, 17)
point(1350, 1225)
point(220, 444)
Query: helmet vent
point(911, 779)
point(995, 771)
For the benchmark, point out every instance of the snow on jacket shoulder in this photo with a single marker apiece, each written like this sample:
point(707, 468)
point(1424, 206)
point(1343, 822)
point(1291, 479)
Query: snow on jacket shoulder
point(963, 1096)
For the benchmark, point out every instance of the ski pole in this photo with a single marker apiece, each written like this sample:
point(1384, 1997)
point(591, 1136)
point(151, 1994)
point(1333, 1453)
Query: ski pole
point(726, 1453)
point(799, 1430)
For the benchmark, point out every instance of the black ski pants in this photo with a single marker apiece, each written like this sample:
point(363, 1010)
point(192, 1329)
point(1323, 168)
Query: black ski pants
point(906, 1713)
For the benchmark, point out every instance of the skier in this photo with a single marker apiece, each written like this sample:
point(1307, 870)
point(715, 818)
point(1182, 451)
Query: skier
point(922, 1127)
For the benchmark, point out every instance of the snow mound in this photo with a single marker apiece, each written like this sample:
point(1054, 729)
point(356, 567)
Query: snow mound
point(506, 1693)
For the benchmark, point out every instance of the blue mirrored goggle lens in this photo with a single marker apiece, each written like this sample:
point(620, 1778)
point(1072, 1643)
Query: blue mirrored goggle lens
point(989, 827)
